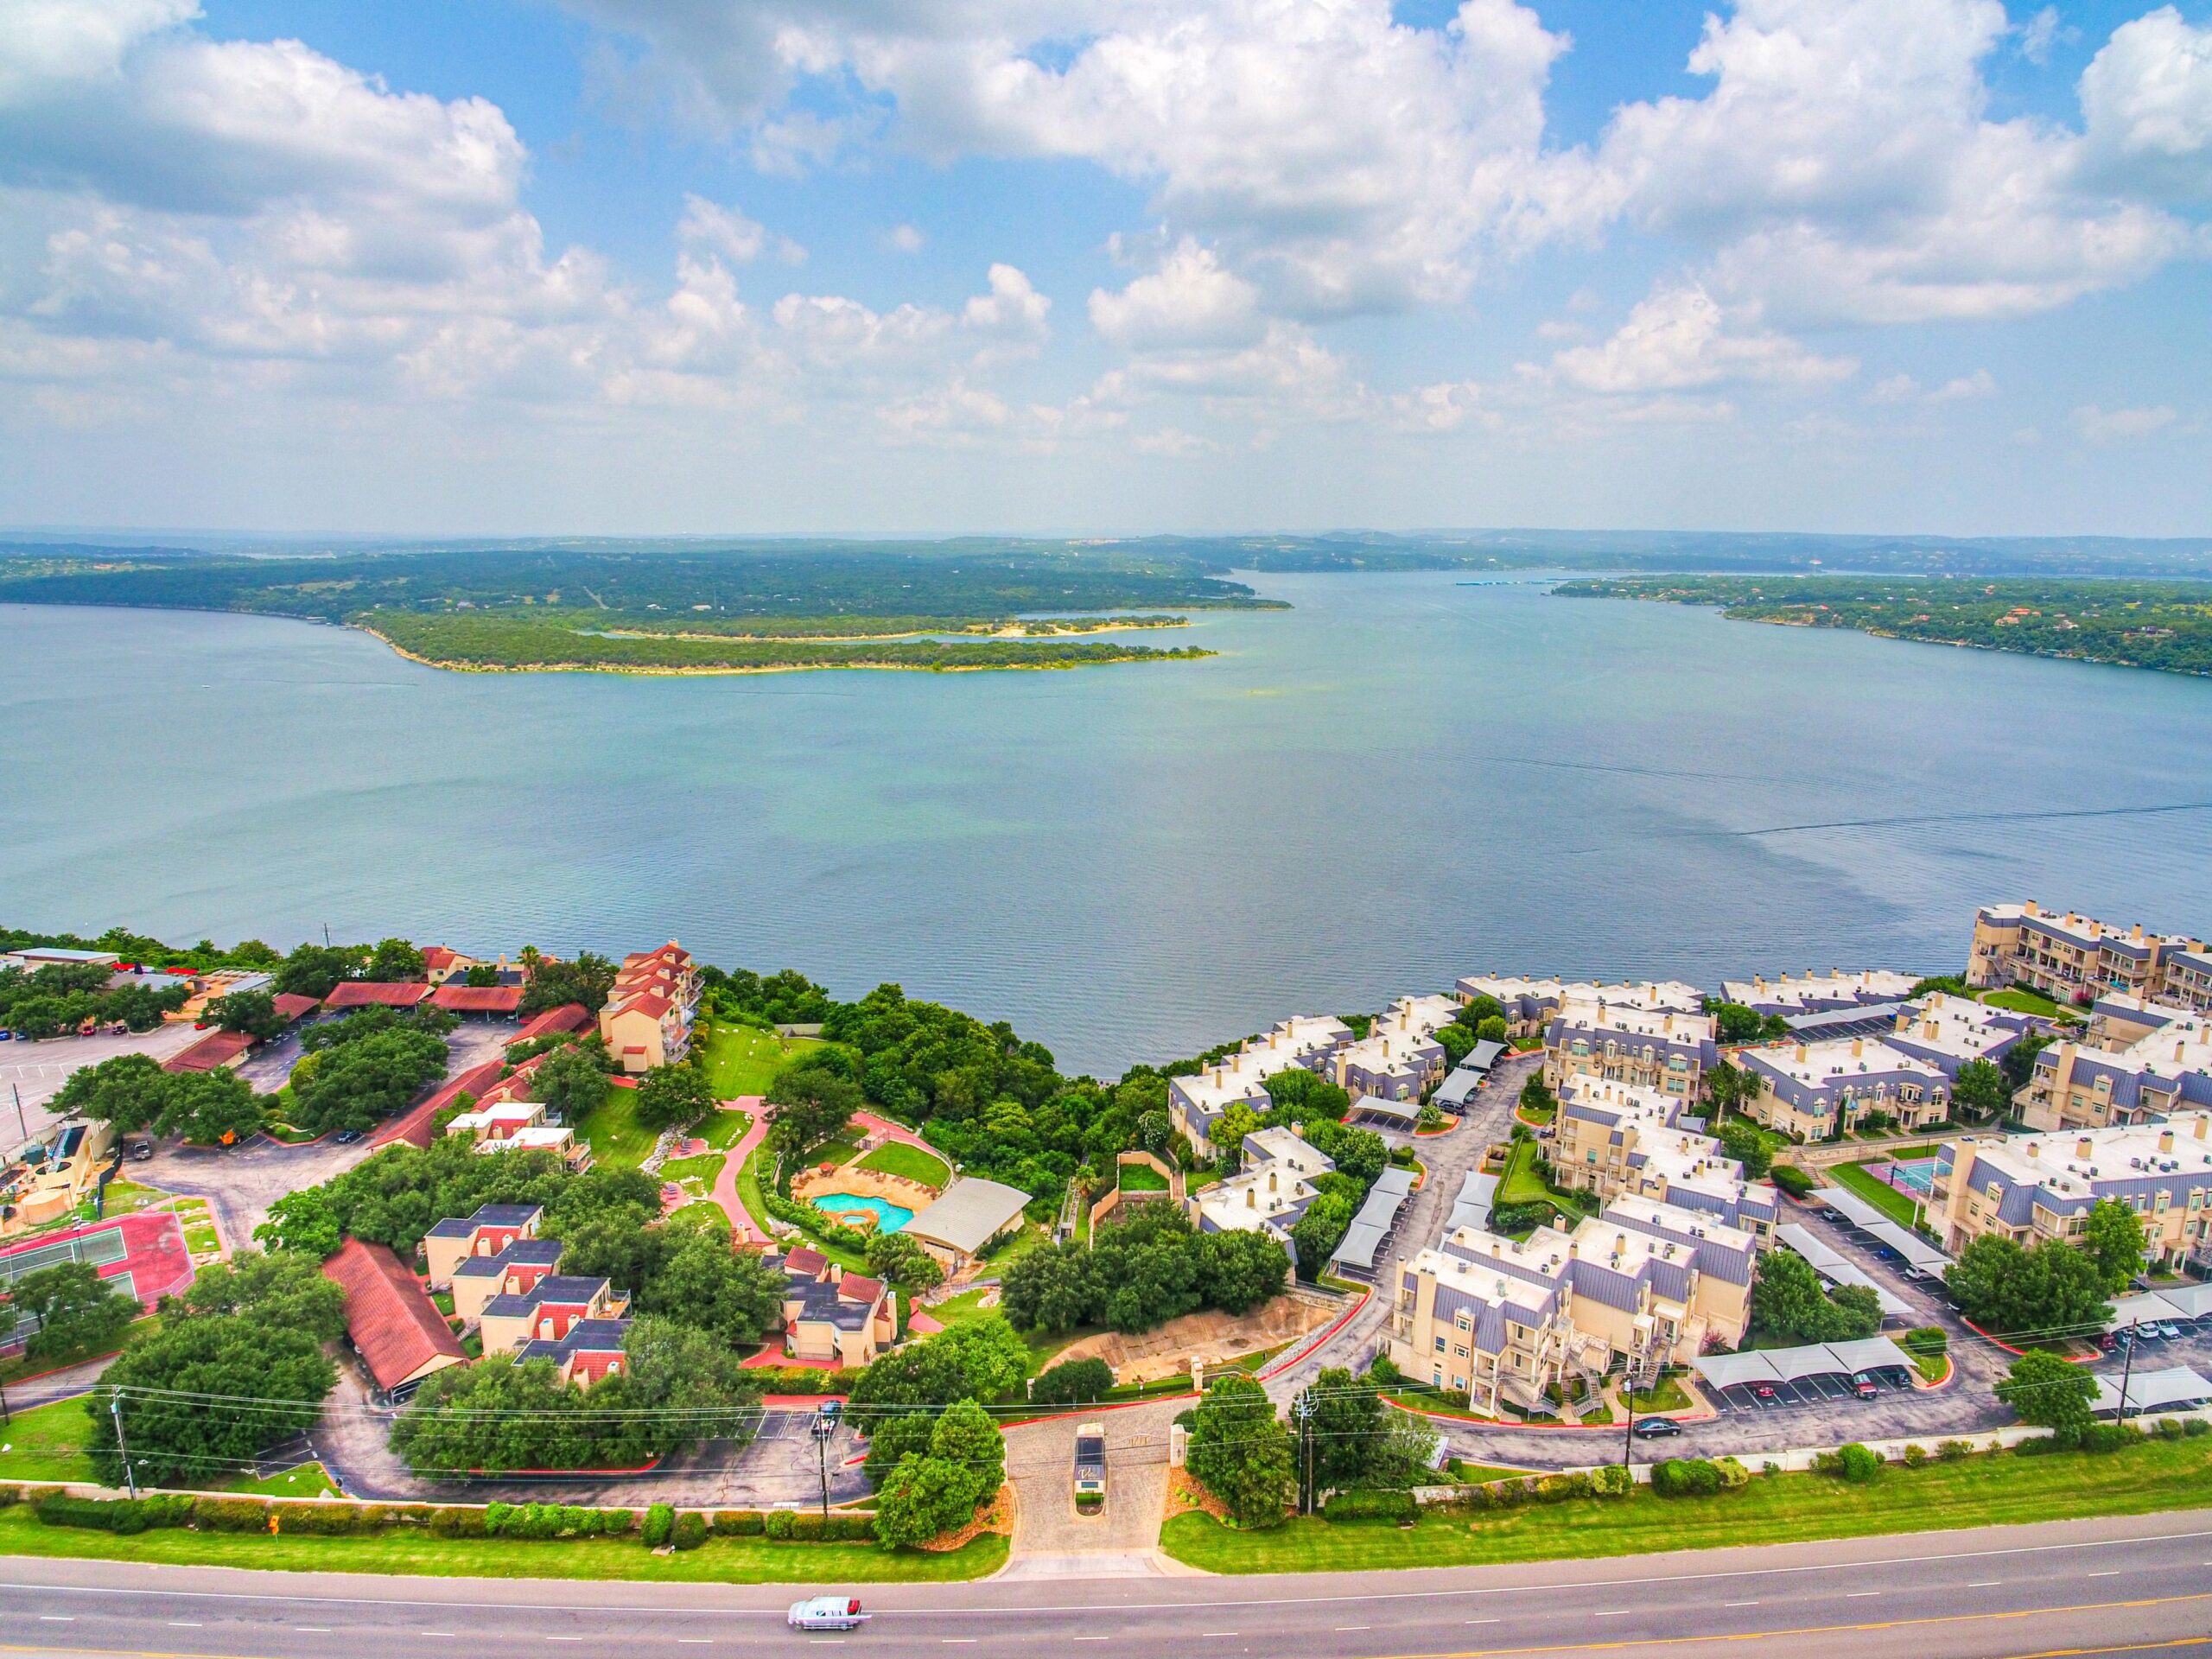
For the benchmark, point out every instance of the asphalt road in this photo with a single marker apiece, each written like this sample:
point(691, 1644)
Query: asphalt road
point(2138, 1584)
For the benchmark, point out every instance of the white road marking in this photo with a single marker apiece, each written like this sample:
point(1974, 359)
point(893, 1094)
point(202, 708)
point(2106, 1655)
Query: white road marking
point(57, 1619)
point(564, 1638)
point(312, 1629)
point(696, 1641)
point(436, 1632)
point(1985, 1583)
point(1739, 1603)
point(1617, 1612)
point(184, 1624)
point(1481, 1621)
point(2113, 1573)
point(1855, 1594)
point(1351, 1627)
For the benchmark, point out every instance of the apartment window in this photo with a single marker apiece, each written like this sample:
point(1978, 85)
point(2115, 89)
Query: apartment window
point(1439, 1345)
point(1458, 1351)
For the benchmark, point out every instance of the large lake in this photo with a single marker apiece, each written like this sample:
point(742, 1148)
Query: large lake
point(1405, 778)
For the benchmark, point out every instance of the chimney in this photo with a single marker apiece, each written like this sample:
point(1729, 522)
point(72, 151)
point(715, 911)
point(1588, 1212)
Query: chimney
point(1858, 1046)
point(1251, 1199)
point(2135, 933)
point(1272, 1186)
point(2177, 1047)
point(2203, 1122)
point(1802, 1055)
point(2031, 908)
point(2165, 1140)
point(1497, 1248)
point(2035, 1151)
point(1573, 1250)
point(2084, 1147)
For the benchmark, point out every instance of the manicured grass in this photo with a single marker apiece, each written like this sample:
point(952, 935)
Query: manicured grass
point(705, 1213)
point(909, 1163)
point(613, 1132)
point(748, 1194)
point(1142, 1177)
point(837, 1149)
point(743, 1061)
point(1522, 1183)
point(1984, 1491)
point(47, 1443)
point(1474, 1474)
point(732, 1560)
point(308, 1480)
point(1665, 1395)
point(953, 1310)
point(125, 1197)
point(1895, 1202)
point(705, 1167)
point(2022, 1001)
point(725, 1128)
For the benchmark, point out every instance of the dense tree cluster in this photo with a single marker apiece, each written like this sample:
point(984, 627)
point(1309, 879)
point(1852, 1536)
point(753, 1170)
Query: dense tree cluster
point(133, 1093)
point(2049, 1391)
point(1242, 1453)
point(785, 998)
point(397, 1196)
point(605, 1220)
point(1737, 1024)
point(948, 1464)
point(674, 1098)
point(1145, 1264)
point(587, 980)
point(364, 1068)
point(977, 1359)
point(53, 1001)
point(679, 1385)
point(2013, 1290)
point(77, 1313)
point(237, 1366)
point(1357, 1440)
point(571, 1080)
point(1786, 1301)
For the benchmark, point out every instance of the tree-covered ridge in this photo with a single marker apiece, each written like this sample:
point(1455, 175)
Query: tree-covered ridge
point(858, 580)
point(2164, 626)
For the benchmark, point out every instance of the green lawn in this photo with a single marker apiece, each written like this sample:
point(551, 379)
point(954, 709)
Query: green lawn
point(613, 1132)
point(1522, 1183)
point(705, 1213)
point(748, 1194)
point(725, 1128)
point(125, 1197)
point(308, 1480)
point(909, 1163)
point(953, 1310)
point(1666, 1396)
point(1141, 1177)
point(1474, 1474)
point(1896, 1203)
point(742, 1061)
point(705, 1167)
point(2022, 1001)
point(1984, 1491)
point(729, 1561)
point(47, 1443)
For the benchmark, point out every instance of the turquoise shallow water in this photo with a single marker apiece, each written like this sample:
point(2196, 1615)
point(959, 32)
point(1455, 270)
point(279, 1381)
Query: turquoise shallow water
point(889, 1216)
point(1404, 779)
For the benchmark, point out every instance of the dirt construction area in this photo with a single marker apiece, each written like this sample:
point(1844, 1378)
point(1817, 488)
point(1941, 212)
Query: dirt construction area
point(1214, 1337)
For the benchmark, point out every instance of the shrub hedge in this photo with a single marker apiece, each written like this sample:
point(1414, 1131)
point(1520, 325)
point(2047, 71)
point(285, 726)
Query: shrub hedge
point(1791, 1179)
point(689, 1531)
point(660, 1522)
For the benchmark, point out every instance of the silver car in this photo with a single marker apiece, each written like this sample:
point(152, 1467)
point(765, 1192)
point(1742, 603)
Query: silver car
point(826, 1613)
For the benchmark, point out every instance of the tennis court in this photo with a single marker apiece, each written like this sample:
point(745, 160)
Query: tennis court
point(98, 1249)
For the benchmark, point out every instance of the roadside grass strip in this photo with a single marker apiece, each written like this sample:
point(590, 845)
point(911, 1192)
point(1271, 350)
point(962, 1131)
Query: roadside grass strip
point(1995, 1488)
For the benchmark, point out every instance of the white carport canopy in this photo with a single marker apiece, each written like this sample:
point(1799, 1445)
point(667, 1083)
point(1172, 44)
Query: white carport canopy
point(1373, 1223)
point(2153, 1391)
point(1840, 1269)
point(2190, 1301)
point(2156, 1307)
point(1478, 1191)
point(1405, 1111)
point(1790, 1364)
point(1850, 1205)
point(1906, 1242)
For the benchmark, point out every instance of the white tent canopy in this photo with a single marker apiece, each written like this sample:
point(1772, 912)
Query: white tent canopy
point(1916, 1250)
point(1791, 1365)
point(2153, 1391)
point(2161, 1306)
point(1373, 1223)
point(1838, 1269)
point(1471, 1208)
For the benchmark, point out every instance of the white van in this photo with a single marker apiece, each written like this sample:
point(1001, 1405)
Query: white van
point(827, 1613)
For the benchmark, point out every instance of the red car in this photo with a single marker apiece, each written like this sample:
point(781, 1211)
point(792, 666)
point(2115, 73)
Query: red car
point(1762, 1390)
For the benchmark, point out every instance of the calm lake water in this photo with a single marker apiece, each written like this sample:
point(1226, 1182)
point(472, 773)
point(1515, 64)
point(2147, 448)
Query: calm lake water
point(1404, 780)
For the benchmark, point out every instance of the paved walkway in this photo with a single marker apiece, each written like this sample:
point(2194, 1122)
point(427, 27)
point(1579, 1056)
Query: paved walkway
point(1050, 1538)
point(742, 1227)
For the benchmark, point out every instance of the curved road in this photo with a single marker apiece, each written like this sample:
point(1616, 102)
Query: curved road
point(2130, 1586)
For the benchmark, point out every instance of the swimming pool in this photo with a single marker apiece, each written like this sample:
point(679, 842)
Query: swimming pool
point(889, 1216)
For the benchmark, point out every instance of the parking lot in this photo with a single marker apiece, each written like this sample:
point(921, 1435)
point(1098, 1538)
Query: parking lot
point(1806, 1391)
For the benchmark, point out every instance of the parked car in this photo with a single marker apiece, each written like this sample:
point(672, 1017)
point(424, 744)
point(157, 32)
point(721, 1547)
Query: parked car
point(141, 1151)
point(1864, 1385)
point(2170, 1332)
point(1656, 1428)
point(827, 1613)
point(1762, 1390)
point(347, 1137)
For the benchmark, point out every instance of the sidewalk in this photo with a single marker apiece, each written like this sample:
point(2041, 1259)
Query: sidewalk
point(743, 1229)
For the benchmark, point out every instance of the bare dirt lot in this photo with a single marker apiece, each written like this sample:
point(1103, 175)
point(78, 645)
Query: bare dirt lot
point(1168, 1349)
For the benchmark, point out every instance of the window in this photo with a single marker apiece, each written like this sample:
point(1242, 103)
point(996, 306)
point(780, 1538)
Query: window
point(1458, 1351)
point(1439, 1345)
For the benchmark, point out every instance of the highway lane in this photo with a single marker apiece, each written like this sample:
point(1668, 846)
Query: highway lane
point(2082, 1586)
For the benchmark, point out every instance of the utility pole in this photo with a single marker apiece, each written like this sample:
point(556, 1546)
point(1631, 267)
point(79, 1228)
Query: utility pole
point(823, 1429)
point(22, 1128)
point(122, 1449)
point(326, 936)
point(1306, 1452)
point(2128, 1370)
point(1628, 1410)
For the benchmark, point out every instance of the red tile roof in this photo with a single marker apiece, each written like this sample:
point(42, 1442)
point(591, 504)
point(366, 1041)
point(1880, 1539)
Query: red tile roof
point(646, 1003)
point(376, 993)
point(395, 1328)
point(569, 1016)
point(217, 1048)
point(414, 1125)
point(477, 999)
point(292, 1006)
point(436, 957)
point(806, 1261)
point(859, 1287)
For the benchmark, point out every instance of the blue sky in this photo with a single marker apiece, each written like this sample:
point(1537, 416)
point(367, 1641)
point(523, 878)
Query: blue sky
point(1110, 265)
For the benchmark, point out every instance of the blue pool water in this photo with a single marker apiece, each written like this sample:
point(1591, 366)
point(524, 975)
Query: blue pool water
point(889, 1216)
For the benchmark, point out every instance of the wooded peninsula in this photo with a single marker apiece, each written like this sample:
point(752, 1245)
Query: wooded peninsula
point(685, 610)
point(2165, 626)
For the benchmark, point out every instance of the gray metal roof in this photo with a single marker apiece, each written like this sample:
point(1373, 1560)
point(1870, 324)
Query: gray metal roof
point(1840, 1269)
point(2152, 1390)
point(968, 1214)
point(1789, 1365)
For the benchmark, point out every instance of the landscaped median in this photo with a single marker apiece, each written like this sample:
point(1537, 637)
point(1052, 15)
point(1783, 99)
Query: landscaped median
point(1983, 1488)
point(731, 1546)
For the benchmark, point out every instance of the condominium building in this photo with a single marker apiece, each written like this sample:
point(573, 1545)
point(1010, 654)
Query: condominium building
point(2074, 958)
point(2036, 1186)
point(545, 1313)
point(514, 1271)
point(2167, 1068)
point(830, 1314)
point(1597, 1035)
point(1948, 1031)
point(591, 1349)
point(646, 1021)
point(1619, 1140)
point(1812, 1090)
point(1307, 1042)
point(520, 1126)
point(1272, 1192)
point(490, 1231)
point(1646, 1282)
point(1812, 992)
point(1530, 1004)
point(1390, 1063)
